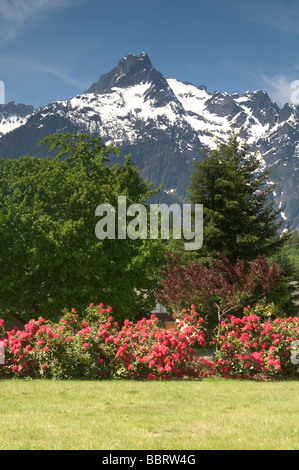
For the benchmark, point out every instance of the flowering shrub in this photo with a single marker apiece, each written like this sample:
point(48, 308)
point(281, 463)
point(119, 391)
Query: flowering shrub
point(249, 346)
point(145, 350)
point(93, 346)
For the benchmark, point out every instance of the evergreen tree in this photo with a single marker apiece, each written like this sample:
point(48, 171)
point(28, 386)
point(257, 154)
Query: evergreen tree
point(240, 219)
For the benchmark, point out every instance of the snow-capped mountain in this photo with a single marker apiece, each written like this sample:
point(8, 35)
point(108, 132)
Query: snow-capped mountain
point(13, 115)
point(165, 124)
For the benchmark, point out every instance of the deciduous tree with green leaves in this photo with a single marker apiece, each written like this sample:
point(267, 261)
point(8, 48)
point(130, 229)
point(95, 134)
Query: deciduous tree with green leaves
point(50, 257)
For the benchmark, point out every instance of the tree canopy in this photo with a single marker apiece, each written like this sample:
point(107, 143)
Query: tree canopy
point(50, 257)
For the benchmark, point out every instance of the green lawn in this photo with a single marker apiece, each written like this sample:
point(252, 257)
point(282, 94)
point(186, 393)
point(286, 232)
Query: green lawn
point(127, 415)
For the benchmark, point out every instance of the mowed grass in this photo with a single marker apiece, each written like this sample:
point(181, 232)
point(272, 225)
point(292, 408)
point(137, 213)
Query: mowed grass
point(131, 415)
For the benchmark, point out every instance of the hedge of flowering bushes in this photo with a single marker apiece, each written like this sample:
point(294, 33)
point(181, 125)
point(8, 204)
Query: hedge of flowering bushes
point(250, 346)
point(93, 346)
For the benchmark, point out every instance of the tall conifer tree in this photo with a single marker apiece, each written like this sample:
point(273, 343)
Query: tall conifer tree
point(240, 219)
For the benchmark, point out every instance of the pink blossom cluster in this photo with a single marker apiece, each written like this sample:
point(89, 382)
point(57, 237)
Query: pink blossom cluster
point(94, 346)
point(249, 346)
point(91, 345)
point(144, 349)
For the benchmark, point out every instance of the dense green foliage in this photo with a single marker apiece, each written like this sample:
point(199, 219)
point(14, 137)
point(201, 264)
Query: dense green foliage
point(289, 256)
point(50, 257)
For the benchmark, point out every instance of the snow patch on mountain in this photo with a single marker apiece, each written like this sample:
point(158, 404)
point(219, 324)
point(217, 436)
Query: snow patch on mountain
point(10, 123)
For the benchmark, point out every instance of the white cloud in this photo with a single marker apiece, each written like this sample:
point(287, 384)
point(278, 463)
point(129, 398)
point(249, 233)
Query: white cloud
point(17, 14)
point(26, 66)
point(279, 88)
point(60, 74)
point(278, 14)
point(282, 88)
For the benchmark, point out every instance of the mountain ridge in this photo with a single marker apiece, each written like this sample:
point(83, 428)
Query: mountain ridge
point(165, 124)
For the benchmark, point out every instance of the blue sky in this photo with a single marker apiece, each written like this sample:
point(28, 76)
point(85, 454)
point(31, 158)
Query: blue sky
point(54, 49)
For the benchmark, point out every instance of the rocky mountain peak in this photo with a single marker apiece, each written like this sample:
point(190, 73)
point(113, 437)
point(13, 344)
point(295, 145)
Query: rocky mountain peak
point(130, 71)
point(135, 70)
point(17, 109)
point(261, 105)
